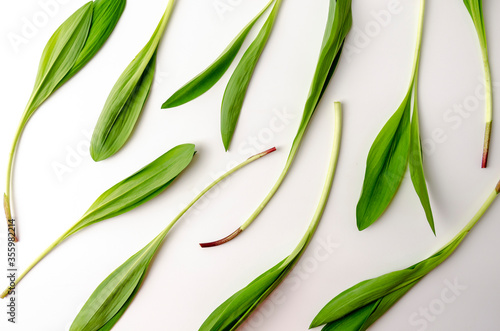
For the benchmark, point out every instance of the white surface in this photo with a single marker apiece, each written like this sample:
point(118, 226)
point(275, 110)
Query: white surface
point(187, 283)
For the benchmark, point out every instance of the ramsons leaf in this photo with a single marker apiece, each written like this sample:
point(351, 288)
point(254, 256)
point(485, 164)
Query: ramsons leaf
point(127, 98)
point(113, 296)
point(235, 310)
point(339, 22)
point(385, 166)
point(211, 75)
point(361, 305)
point(238, 84)
point(72, 46)
point(128, 194)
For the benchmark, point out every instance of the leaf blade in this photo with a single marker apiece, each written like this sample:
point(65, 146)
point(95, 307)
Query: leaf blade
point(214, 72)
point(237, 86)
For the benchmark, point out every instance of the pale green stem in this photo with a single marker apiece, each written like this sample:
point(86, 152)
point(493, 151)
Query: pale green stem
point(326, 189)
point(489, 103)
point(162, 235)
point(416, 61)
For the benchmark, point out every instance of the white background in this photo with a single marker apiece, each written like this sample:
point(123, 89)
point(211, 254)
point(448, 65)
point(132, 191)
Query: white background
point(186, 283)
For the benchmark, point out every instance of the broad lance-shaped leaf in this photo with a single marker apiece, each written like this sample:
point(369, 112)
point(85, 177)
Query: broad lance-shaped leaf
point(416, 161)
point(388, 156)
point(234, 311)
point(475, 8)
point(237, 87)
point(360, 306)
point(113, 296)
point(128, 194)
point(127, 98)
point(211, 75)
point(385, 166)
point(72, 46)
point(338, 25)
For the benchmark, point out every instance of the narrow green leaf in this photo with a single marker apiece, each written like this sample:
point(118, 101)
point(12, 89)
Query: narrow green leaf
point(128, 194)
point(238, 84)
point(234, 311)
point(339, 23)
point(416, 165)
point(127, 98)
point(106, 15)
point(211, 75)
point(376, 296)
point(73, 44)
point(113, 296)
point(385, 167)
point(60, 55)
point(354, 321)
point(121, 285)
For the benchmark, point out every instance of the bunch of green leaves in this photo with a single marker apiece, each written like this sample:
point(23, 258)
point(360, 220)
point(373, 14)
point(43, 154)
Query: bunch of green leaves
point(395, 146)
point(128, 194)
point(475, 8)
point(113, 296)
point(237, 87)
point(338, 25)
point(69, 49)
point(360, 306)
point(235, 310)
point(127, 98)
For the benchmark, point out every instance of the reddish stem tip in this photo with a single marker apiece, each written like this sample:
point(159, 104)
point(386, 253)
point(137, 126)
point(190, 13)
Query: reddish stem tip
point(223, 240)
point(498, 188)
point(484, 164)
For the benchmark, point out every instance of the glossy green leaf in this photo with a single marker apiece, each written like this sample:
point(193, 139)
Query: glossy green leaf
point(211, 75)
point(416, 163)
point(106, 15)
point(238, 84)
point(73, 44)
point(127, 98)
point(130, 193)
point(121, 285)
point(113, 296)
point(339, 23)
point(360, 306)
point(234, 311)
point(385, 166)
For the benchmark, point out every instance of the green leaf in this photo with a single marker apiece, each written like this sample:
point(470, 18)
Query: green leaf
point(127, 98)
point(106, 15)
point(211, 75)
point(416, 165)
point(139, 188)
point(238, 84)
point(113, 296)
point(128, 194)
point(339, 23)
point(385, 167)
point(60, 55)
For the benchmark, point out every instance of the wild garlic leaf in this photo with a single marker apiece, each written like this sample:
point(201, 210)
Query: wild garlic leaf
point(121, 285)
point(60, 55)
point(416, 162)
point(237, 87)
point(234, 311)
point(106, 15)
point(475, 8)
point(211, 75)
point(364, 303)
point(113, 296)
point(73, 44)
point(339, 23)
point(385, 166)
point(128, 194)
point(127, 98)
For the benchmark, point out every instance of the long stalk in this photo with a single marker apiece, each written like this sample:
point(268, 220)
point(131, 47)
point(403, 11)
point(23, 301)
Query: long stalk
point(489, 105)
point(160, 237)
